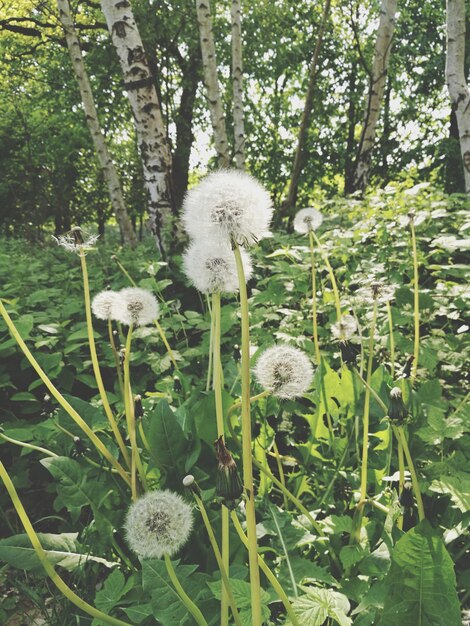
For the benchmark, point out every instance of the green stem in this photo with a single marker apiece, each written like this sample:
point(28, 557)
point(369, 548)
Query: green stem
point(219, 559)
point(414, 476)
point(416, 300)
point(314, 298)
point(189, 604)
point(237, 405)
point(280, 469)
point(30, 446)
point(42, 556)
point(268, 573)
point(99, 445)
point(286, 553)
point(401, 482)
point(161, 332)
point(96, 365)
point(117, 361)
point(331, 275)
point(372, 391)
point(247, 446)
point(392, 339)
point(219, 411)
point(211, 347)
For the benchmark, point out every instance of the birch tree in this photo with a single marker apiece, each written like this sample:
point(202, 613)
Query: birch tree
point(300, 149)
point(237, 78)
point(375, 96)
point(209, 65)
point(151, 132)
point(106, 163)
point(459, 91)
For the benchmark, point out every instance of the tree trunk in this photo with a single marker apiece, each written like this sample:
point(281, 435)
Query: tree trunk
point(151, 133)
point(383, 47)
point(299, 152)
point(455, 76)
point(209, 64)
point(107, 166)
point(349, 158)
point(237, 78)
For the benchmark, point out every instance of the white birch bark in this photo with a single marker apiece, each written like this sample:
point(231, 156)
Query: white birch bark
point(459, 91)
point(108, 168)
point(151, 132)
point(383, 47)
point(237, 78)
point(209, 64)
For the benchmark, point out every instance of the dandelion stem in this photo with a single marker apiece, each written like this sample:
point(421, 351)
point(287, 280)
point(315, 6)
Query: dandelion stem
point(268, 573)
point(314, 297)
point(42, 556)
point(29, 446)
point(416, 300)
point(237, 405)
point(247, 446)
point(96, 365)
point(219, 411)
point(414, 477)
point(99, 445)
point(280, 469)
point(116, 358)
point(392, 339)
point(189, 604)
point(331, 275)
point(401, 482)
point(211, 350)
point(219, 559)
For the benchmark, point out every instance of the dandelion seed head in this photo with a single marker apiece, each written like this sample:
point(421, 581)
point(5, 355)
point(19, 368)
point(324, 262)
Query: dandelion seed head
point(135, 306)
point(102, 304)
point(307, 219)
point(211, 267)
point(374, 290)
point(344, 328)
point(230, 205)
point(76, 240)
point(158, 523)
point(285, 371)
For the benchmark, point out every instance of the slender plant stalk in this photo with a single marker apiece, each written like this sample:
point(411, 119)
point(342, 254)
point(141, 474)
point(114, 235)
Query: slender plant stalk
point(96, 365)
point(117, 361)
point(99, 445)
point(365, 440)
point(42, 556)
point(372, 391)
point(414, 368)
point(392, 339)
point(284, 547)
point(414, 477)
point(218, 556)
point(314, 297)
point(237, 405)
point(219, 411)
point(330, 273)
point(280, 469)
point(401, 482)
point(268, 573)
point(29, 446)
point(246, 445)
point(361, 340)
point(186, 600)
point(136, 463)
point(211, 351)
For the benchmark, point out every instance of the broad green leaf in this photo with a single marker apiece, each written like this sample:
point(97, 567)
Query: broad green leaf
point(457, 487)
point(72, 488)
point(242, 595)
point(114, 588)
point(420, 586)
point(61, 550)
point(317, 605)
point(167, 442)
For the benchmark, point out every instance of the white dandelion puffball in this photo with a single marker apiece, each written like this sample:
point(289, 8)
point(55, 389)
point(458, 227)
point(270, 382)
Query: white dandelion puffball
point(136, 306)
point(211, 267)
point(230, 205)
point(102, 304)
point(76, 241)
point(158, 523)
point(307, 219)
point(285, 371)
point(345, 328)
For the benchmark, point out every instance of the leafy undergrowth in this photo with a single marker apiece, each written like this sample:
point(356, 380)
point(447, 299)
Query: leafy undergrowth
point(409, 576)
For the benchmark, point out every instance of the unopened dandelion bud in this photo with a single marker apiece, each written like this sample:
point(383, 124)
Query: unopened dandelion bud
point(135, 306)
point(407, 369)
point(406, 497)
point(237, 355)
point(177, 386)
point(307, 219)
point(228, 485)
point(103, 303)
point(190, 483)
point(158, 523)
point(138, 408)
point(122, 357)
point(285, 371)
point(396, 409)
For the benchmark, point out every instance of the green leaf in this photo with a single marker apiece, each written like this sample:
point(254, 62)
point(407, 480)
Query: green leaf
point(242, 595)
point(457, 487)
point(73, 491)
point(166, 438)
point(114, 588)
point(317, 605)
point(420, 586)
point(60, 549)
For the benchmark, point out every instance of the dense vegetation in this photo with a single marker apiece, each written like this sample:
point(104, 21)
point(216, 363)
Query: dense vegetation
point(399, 568)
